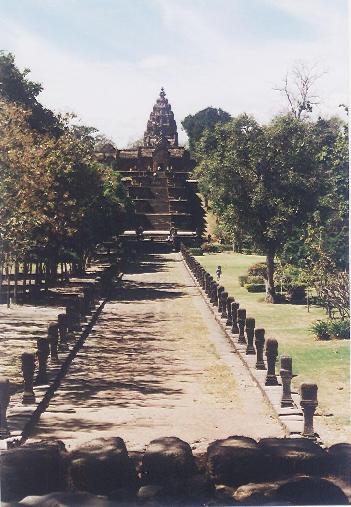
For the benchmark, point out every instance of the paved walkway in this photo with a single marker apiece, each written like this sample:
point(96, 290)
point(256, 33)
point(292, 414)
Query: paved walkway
point(156, 364)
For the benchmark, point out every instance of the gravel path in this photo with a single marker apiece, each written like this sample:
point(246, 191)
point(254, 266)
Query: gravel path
point(156, 364)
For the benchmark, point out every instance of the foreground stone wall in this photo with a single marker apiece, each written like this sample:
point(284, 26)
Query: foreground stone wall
point(235, 470)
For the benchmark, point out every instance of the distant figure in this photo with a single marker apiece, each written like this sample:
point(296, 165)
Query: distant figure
point(139, 232)
point(218, 272)
point(209, 238)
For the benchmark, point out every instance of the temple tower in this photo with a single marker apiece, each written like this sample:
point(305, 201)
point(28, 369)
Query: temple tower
point(161, 123)
point(157, 177)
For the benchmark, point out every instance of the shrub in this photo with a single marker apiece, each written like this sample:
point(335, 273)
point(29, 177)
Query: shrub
point(296, 293)
point(255, 279)
point(320, 329)
point(339, 329)
point(258, 269)
point(211, 248)
point(227, 247)
point(255, 287)
point(242, 280)
point(195, 251)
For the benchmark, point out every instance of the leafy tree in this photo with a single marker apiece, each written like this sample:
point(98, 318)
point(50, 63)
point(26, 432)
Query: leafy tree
point(194, 125)
point(322, 246)
point(16, 87)
point(264, 179)
point(55, 196)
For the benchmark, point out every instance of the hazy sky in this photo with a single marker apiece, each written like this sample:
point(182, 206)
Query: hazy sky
point(106, 60)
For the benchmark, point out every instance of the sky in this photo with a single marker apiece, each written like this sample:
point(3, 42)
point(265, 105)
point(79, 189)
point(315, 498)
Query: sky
point(106, 60)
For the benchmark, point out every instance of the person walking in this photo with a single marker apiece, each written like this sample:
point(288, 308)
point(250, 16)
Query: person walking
point(218, 273)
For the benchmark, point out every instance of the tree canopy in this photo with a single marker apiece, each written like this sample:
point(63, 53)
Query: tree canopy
point(268, 181)
point(194, 125)
point(55, 196)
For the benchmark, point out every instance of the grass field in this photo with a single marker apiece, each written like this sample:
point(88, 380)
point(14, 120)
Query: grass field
point(325, 362)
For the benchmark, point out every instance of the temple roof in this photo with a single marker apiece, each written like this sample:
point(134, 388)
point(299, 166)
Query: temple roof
point(161, 123)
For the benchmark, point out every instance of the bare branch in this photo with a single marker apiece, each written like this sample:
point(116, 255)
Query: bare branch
point(298, 89)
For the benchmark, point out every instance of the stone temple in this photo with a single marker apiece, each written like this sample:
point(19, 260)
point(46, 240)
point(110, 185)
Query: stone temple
point(157, 176)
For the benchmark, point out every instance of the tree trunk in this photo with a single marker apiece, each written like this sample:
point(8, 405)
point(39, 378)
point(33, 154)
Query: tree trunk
point(15, 287)
point(1, 279)
point(8, 275)
point(271, 296)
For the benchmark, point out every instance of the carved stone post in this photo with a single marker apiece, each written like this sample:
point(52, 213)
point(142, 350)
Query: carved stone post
point(63, 328)
point(204, 280)
point(43, 354)
point(224, 298)
point(81, 306)
point(235, 308)
point(230, 300)
point(70, 317)
point(308, 404)
point(286, 376)
point(220, 289)
point(28, 368)
point(271, 354)
point(259, 342)
point(4, 403)
point(53, 337)
point(213, 299)
point(87, 298)
point(209, 284)
point(241, 324)
point(250, 331)
point(73, 314)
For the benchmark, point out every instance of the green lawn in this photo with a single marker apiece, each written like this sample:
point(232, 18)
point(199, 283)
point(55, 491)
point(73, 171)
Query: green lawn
point(325, 362)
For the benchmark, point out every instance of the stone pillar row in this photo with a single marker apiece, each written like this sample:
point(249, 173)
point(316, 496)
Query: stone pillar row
point(58, 335)
point(254, 339)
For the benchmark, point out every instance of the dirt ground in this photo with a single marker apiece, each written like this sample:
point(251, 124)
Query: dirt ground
point(156, 364)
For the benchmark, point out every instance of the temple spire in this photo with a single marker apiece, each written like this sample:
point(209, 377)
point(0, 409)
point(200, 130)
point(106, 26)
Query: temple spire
point(161, 123)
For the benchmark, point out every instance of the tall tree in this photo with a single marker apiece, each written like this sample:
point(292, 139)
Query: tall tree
point(17, 88)
point(194, 125)
point(264, 179)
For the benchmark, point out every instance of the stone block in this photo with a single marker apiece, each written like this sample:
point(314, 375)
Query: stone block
point(235, 460)
point(199, 488)
point(310, 491)
point(285, 457)
point(33, 469)
point(103, 466)
point(339, 461)
point(70, 499)
point(167, 460)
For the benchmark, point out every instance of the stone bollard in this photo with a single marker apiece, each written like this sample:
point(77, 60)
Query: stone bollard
point(73, 315)
point(220, 289)
point(43, 354)
point(308, 404)
point(4, 403)
point(259, 342)
point(87, 298)
point(81, 306)
point(235, 308)
point(230, 300)
point(53, 337)
point(63, 330)
point(224, 298)
point(213, 298)
point(28, 368)
point(241, 324)
point(271, 354)
point(209, 280)
point(286, 376)
point(250, 332)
